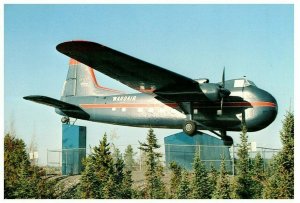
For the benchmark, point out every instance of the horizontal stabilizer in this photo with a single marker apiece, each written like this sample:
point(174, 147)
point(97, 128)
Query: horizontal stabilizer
point(70, 110)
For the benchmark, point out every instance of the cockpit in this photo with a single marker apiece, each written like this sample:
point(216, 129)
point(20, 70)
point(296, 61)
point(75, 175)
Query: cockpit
point(243, 82)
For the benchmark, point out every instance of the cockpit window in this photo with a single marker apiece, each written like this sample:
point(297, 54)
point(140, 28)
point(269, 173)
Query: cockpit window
point(243, 83)
point(239, 83)
point(249, 82)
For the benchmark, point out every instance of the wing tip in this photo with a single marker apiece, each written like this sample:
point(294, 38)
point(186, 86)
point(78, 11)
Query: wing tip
point(63, 46)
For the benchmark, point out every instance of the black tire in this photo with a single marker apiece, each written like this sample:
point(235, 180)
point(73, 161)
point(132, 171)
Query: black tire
point(189, 127)
point(65, 120)
point(228, 141)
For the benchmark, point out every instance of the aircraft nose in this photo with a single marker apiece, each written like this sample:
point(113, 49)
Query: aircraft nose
point(274, 110)
point(270, 109)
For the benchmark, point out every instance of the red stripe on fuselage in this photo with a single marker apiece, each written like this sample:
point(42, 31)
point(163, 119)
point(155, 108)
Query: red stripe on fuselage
point(103, 106)
point(249, 104)
point(174, 105)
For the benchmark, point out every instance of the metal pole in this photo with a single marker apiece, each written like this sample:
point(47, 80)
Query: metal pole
point(264, 157)
point(233, 160)
point(140, 160)
point(47, 163)
point(200, 154)
point(66, 158)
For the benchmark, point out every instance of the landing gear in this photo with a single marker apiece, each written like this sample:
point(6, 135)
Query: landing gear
point(189, 127)
point(65, 120)
point(228, 141)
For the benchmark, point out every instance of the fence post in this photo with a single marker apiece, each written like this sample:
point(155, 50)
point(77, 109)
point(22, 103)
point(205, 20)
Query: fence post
point(47, 164)
point(140, 160)
point(233, 160)
point(264, 158)
point(199, 152)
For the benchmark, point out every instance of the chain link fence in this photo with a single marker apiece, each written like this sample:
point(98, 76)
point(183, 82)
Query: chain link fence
point(182, 154)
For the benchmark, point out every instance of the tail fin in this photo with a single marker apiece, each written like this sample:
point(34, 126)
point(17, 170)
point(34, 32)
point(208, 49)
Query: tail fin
point(81, 81)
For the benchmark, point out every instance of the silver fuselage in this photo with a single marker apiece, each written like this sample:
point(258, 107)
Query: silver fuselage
point(255, 106)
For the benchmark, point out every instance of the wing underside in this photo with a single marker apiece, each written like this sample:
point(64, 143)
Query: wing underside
point(133, 72)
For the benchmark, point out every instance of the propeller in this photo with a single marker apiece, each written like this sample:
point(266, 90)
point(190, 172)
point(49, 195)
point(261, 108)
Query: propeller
point(216, 92)
point(223, 92)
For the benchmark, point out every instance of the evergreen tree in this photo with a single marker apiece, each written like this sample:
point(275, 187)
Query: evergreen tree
point(280, 185)
point(21, 180)
point(104, 175)
point(96, 178)
point(129, 158)
point(222, 190)
point(154, 171)
point(16, 164)
point(243, 178)
point(127, 192)
point(200, 185)
point(175, 178)
point(118, 176)
point(184, 191)
point(213, 176)
point(258, 176)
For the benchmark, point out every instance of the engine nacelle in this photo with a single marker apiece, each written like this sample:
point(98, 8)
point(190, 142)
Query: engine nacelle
point(211, 91)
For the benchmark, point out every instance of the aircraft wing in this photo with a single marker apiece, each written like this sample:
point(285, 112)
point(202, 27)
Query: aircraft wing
point(68, 109)
point(133, 72)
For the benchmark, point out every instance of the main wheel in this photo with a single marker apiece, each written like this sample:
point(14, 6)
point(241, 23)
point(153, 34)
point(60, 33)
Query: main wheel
point(65, 120)
point(228, 141)
point(189, 127)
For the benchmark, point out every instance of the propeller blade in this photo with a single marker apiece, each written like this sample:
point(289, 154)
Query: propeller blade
point(223, 78)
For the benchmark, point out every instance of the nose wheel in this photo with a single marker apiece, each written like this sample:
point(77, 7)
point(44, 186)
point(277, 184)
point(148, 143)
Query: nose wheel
point(228, 141)
point(189, 127)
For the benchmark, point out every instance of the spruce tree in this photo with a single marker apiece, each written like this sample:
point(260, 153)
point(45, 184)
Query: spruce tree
point(175, 178)
point(243, 177)
point(129, 158)
point(184, 191)
point(16, 164)
point(213, 177)
point(127, 192)
point(89, 182)
point(118, 176)
point(222, 190)
point(21, 180)
point(154, 171)
point(280, 185)
point(98, 172)
point(258, 177)
point(200, 185)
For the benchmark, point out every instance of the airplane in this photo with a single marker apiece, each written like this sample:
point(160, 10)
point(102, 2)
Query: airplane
point(165, 100)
